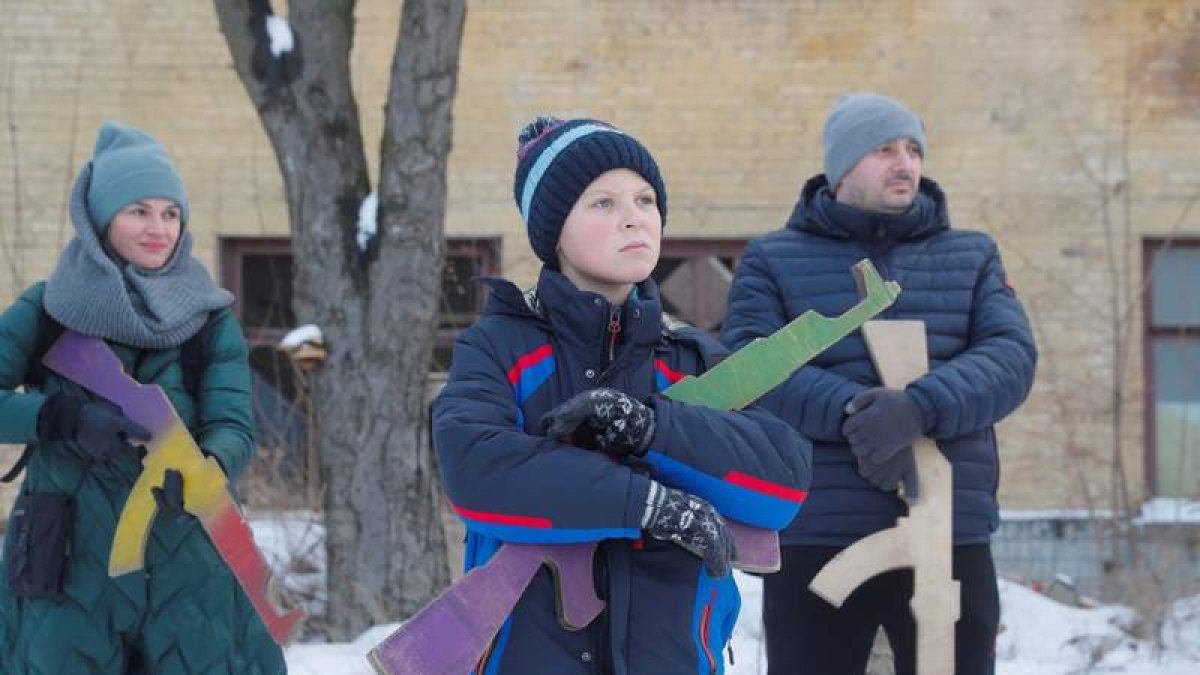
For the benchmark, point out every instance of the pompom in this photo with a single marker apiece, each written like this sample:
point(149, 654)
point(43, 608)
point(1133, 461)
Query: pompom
point(536, 129)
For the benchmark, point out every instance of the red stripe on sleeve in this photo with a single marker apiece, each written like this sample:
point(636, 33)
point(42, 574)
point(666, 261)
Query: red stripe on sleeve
point(671, 375)
point(526, 361)
point(504, 519)
point(766, 487)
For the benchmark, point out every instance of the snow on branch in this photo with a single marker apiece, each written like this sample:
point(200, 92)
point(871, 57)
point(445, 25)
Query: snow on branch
point(281, 35)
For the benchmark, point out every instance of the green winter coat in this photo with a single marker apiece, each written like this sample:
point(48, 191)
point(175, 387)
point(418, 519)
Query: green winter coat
point(184, 612)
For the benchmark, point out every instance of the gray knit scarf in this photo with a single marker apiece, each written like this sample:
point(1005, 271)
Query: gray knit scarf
point(99, 294)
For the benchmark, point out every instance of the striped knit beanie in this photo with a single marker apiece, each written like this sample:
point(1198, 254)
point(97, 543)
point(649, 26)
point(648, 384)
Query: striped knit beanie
point(557, 160)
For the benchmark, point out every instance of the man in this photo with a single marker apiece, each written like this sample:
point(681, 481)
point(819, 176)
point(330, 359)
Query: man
point(872, 202)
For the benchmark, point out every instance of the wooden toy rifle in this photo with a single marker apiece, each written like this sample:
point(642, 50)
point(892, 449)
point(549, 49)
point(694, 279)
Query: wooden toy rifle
point(89, 362)
point(450, 634)
point(921, 540)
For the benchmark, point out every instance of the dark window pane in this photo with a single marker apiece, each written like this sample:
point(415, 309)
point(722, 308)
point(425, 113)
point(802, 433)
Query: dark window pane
point(266, 293)
point(261, 279)
point(279, 414)
point(1177, 415)
point(441, 358)
point(273, 367)
point(1175, 287)
point(460, 290)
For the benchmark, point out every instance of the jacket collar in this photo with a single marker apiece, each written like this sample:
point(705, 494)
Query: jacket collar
point(817, 212)
point(580, 318)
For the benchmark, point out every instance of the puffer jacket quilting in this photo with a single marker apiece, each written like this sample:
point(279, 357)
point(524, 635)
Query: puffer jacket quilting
point(512, 484)
point(981, 350)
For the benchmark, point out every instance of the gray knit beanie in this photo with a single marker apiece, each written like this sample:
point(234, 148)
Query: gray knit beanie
point(859, 123)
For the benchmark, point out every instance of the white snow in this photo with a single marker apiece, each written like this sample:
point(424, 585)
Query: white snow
point(1181, 630)
point(1038, 637)
point(281, 35)
point(298, 336)
point(1157, 510)
point(1053, 514)
point(1168, 510)
point(347, 658)
point(366, 220)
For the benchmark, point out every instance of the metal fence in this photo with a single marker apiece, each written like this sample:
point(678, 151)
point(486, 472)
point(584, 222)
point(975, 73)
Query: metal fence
point(1091, 554)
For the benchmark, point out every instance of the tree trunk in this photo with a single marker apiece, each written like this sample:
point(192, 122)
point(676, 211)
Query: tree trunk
point(378, 308)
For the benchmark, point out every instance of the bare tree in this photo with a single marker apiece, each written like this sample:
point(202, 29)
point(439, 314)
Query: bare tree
point(1095, 404)
point(375, 298)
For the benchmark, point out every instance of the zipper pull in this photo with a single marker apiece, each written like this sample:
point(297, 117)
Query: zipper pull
point(614, 329)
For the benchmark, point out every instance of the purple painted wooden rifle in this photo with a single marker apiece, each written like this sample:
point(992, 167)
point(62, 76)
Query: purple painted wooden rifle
point(89, 362)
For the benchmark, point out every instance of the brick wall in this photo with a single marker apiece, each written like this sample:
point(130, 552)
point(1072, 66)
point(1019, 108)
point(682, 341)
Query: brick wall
point(1053, 126)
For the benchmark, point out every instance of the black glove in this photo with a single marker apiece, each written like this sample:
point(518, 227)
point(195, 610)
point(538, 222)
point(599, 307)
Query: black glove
point(603, 419)
point(98, 426)
point(881, 422)
point(887, 475)
point(170, 497)
point(692, 523)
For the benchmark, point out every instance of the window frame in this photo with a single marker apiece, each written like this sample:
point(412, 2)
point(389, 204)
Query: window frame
point(231, 249)
point(1151, 246)
point(693, 247)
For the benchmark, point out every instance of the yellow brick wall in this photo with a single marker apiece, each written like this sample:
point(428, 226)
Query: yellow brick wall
point(1049, 125)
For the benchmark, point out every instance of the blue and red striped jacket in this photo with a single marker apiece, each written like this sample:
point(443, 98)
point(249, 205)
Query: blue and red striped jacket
point(510, 483)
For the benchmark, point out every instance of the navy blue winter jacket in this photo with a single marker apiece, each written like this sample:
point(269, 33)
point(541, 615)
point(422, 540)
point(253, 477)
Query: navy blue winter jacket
point(981, 350)
point(510, 483)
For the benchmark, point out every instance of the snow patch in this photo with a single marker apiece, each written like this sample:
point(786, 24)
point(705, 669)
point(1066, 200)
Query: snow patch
point(366, 221)
point(1053, 514)
point(298, 336)
point(1040, 636)
point(281, 36)
point(1167, 510)
point(1181, 629)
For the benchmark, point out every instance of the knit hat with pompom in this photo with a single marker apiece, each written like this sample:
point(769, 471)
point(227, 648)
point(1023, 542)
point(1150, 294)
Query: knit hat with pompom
point(557, 160)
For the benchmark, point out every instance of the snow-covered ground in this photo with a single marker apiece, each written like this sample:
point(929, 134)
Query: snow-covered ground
point(1040, 636)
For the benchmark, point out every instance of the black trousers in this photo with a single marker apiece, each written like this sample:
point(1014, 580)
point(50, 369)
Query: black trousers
point(806, 635)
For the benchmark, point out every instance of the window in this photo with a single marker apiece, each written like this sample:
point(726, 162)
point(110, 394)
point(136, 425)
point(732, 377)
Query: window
point(462, 294)
point(1172, 347)
point(259, 273)
point(694, 277)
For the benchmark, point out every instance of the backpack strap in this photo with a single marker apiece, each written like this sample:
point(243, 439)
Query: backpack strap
point(193, 356)
point(48, 331)
point(19, 465)
point(193, 353)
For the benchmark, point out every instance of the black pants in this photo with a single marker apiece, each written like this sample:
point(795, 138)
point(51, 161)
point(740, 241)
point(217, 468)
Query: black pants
point(806, 635)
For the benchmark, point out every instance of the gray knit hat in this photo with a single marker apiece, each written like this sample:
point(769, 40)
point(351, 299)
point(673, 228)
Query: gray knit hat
point(129, 164)
point(859, 123)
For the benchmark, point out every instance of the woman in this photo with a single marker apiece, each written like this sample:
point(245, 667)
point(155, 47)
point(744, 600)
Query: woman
point(551, 429)
point(127, 277)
